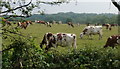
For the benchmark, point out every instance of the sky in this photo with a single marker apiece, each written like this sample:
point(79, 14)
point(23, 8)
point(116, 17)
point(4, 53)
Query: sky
point(81, 6)
point(78, 6)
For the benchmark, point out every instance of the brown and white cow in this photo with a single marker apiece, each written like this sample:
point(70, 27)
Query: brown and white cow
point(108, 26)
point(6, 22)
point(44, 22)
point(41, 22)
point(92, 30)
point(59, 39)
point(22, 25)
point(112, 41)
point(29, 22)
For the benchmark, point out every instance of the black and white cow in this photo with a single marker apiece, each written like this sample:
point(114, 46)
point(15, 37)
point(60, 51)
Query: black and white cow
point(59, 39)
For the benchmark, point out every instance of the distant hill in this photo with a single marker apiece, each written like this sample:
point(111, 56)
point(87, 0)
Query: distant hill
point(77, 17)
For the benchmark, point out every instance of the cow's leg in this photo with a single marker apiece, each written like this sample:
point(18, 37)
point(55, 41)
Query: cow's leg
point(113, 45)
point(105, 46)
point(41, 45)
point(74, 45)
point(100, 36)
point(74, 42)
point(69, 44)
point(54, 45)
point(90, 36)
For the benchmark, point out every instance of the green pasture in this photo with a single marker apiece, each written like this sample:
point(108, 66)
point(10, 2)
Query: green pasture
point(38, 31)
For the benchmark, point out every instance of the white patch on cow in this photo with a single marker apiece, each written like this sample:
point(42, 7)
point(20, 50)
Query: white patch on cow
point(67, 40)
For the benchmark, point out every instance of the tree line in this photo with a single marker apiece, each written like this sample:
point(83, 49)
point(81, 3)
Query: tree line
point(81, 18)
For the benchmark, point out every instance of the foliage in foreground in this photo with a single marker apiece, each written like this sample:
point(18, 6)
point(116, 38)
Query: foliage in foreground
point(25, 55)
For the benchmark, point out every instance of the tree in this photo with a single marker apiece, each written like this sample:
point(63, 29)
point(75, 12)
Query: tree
point(10, 8)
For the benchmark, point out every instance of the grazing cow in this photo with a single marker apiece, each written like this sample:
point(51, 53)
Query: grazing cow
point(112, 41)
point(59, 39)
point(23, 24)
point(113, 25)
point(48, 24)
point(70, 24)
point(6, 22)
point(91, 30)
point(45, 23)
point(41, 22)
point(108, 26)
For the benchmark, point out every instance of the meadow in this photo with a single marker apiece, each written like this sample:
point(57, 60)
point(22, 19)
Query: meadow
point(38, 31)
point(90, 53)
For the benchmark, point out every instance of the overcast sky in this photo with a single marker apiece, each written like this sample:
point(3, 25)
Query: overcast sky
point(82, 6)
point(79, 6)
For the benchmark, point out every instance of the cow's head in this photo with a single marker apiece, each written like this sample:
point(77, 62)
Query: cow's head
point(51, 42)
point(81, 35)
point(47, 37)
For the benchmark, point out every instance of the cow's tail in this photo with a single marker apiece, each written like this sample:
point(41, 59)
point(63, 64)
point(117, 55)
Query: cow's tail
point(74, 42)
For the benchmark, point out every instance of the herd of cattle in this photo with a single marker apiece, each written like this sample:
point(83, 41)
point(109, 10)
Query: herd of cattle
point(68, 39)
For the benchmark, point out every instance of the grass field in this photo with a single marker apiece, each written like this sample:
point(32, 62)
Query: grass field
point(38, 31)
point(90, 54)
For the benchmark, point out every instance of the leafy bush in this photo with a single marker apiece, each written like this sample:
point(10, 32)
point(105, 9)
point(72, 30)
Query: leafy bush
point(26, 55)
point(86, 58)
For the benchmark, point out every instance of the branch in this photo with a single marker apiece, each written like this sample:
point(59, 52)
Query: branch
point(7, 49)
point(17, 7)
point(116, 4)
point(53, 3)
point(13, 32)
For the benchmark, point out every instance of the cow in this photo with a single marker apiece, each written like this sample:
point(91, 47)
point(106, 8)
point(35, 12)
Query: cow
point(70, 24)
point(48, 24)
point(91, 30)
point(29, 22)
point(6, 22)
point(108, 26)
point(113, 25)
point(41, 22)
point(112, 41)
point(59, 39)
point(45, 23)
point(22, 24)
